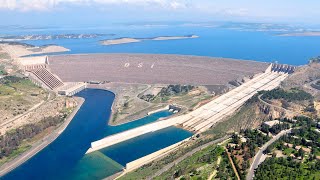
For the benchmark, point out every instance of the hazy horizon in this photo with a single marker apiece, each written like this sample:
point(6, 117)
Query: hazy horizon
point(100, 12)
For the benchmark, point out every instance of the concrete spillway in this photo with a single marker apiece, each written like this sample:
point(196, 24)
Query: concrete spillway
point(126, 135)
point(206, 116)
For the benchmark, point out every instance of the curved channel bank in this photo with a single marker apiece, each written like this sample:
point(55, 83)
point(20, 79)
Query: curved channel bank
point(65, 157)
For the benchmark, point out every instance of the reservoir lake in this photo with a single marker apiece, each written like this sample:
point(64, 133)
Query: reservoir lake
point(264, 46)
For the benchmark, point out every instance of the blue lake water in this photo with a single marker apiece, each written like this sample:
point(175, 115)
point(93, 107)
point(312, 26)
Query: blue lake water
point(65, 157)
point(215, 42)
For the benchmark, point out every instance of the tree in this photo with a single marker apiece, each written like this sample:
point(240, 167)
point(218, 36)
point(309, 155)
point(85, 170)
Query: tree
point(267, 151)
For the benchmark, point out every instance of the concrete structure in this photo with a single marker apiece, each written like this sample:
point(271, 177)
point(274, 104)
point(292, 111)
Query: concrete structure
point(170, 108)
point(37, 69)
point(31, 63)
point(206, 116)
point(70, 89)
point(132, 133)
point(153, 156)
point(46, 78)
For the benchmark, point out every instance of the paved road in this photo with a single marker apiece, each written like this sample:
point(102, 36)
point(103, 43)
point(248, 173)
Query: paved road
point(279, 107)
point(175, 162)
point(258, 156)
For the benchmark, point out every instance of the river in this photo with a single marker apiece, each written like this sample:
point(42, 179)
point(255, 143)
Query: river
point(65, 157)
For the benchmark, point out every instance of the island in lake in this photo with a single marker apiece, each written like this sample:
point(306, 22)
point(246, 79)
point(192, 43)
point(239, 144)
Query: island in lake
point(126, 40)
point(307, 33)
point(50, 37)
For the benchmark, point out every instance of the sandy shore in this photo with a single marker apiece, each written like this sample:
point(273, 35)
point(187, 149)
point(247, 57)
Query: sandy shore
point(19, 50)
point(41, 144)
point(127, 40)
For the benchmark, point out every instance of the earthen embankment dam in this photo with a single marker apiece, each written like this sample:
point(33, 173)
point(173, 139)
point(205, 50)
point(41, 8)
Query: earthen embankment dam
point(152, 69)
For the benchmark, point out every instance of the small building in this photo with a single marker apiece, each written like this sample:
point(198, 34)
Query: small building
point(292, 155)
point(271, 123)
point(232, 145)
point(297, 147)
point(243, 139)
point(306, 150)
point(70, 89)
point(288, 145)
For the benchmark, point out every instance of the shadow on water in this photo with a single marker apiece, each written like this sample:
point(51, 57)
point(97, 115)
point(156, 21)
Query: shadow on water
point(65, 157)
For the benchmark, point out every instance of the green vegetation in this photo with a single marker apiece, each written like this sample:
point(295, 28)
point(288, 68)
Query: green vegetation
point(149, 169)
point(300, 149)
point(243, 152)
point(166, 92)
point(21, 149)
point(290, 95)
point(289, 151)
point(10, 79)
point(13, 142)
point(17, 95)
point(13, 85)
point(201, 165)
point(245, 118)
point(274, 129)
point(2, 70)
point(286, 168)
point(249, 116)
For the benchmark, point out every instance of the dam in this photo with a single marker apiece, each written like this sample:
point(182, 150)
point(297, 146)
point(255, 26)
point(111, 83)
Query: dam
point(206, 116)
point(67, 75)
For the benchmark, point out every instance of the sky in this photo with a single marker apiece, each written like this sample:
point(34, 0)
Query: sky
point(94, 12)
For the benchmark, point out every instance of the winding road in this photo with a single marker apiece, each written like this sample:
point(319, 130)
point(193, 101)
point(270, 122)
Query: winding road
point(257, 157)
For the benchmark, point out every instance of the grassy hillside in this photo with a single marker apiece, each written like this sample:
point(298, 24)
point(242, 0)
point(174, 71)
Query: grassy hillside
point(209, 162)
point(249, 116)
point(17, 95)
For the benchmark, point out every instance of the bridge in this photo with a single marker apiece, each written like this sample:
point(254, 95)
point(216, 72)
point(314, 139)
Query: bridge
point(206, 116)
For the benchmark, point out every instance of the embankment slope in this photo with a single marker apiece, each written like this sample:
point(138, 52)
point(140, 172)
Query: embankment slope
point(152, 69)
